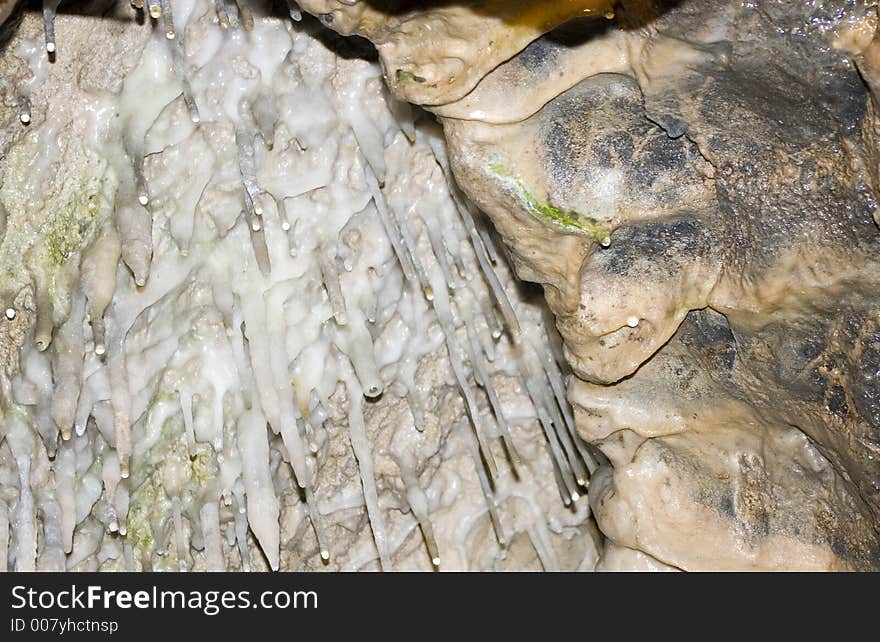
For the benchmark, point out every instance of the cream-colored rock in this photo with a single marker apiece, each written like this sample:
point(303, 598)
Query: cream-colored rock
point(436, 54)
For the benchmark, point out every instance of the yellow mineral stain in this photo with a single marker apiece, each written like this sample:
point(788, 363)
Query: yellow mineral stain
point(542, 16)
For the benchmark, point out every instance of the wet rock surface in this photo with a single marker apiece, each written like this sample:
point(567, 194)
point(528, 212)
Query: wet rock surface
point(694, 183)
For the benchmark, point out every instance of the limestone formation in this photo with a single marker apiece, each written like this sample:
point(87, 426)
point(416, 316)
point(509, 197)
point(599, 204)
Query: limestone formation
point(261, 300)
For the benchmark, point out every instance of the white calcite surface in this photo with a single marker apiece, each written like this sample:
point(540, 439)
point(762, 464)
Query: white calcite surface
point(249, 324)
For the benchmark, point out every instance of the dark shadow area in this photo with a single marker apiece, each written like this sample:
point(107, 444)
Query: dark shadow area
point(638, 13)
point(631, 14)
point(347, 47)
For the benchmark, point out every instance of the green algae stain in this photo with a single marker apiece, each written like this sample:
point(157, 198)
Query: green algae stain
point(402, 75)
point(140, 532)
point(566, 221)
point(203, 468)
point(72, 227)
point(148, 504)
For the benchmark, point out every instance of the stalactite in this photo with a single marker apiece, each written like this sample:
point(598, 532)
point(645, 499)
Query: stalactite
point(418, 502)
point(67, 365)
point(391, 229)
point(179, 541)
point(263, 506)
point(4, 536)
point(154, 8)
point(362, 450)
point(26, 525)
point(209, 519)
point(65, 489)
point(177, 59)
point(167, 19)
point(45, 319)
point(241, 529)
point(51, 554)
point(111, 476)
point(222, 15)
point(24, 109)
point(134, 223)
point(488, 494)
point(98, 281)
point(485, 381)
point(49, 8)
point(330, 276)
point(466, 211)
point(559, 460)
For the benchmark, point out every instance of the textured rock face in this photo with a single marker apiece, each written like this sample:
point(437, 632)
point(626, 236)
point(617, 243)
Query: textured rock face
point(435, 52)
point(695, 187)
